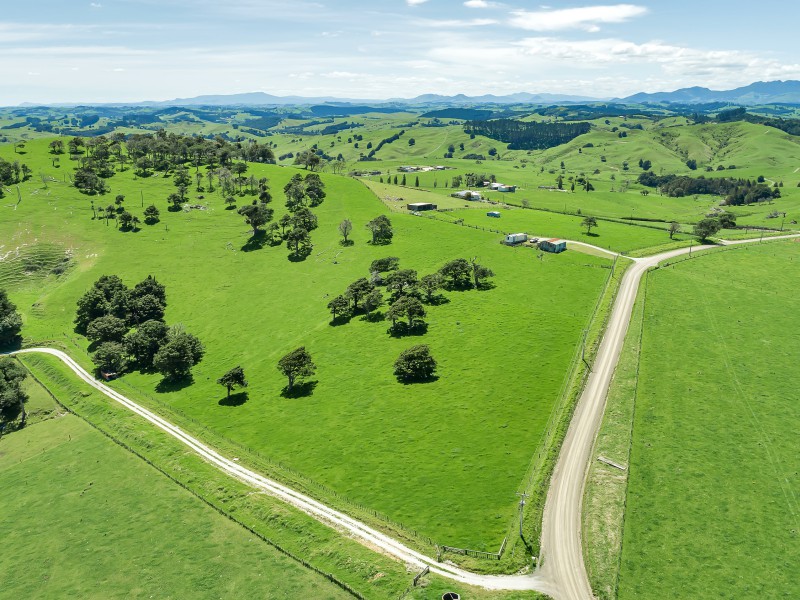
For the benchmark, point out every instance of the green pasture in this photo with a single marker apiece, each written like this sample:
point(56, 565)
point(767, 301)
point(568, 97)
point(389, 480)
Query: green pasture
point(444, 458)
point(712, 505)
point(85, 518)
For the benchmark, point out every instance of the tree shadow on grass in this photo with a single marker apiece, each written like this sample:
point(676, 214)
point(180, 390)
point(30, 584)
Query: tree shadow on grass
point(236, 399)
point(374, 317)
point(347, 243)
point(401, 329)
point(256, 242)
point(299, 256)
point(436, 300)
point(431, 379)
point(341, 320)
point(300, 390)
point(486, 285)
point(590, 234)
point(167, 385)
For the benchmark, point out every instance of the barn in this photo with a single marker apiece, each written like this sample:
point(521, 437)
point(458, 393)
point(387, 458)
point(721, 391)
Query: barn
point(420, 206)
point(553, 245)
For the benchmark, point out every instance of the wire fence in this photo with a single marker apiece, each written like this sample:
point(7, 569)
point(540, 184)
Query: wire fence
point(329, 576)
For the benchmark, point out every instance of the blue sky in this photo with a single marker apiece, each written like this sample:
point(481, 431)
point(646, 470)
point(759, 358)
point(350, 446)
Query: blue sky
point(130, 50)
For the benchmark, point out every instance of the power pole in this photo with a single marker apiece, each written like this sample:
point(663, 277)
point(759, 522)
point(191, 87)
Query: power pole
point(522, 497)
point(142, 194)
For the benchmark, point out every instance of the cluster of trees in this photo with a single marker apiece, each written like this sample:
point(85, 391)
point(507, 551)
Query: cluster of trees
point(407, 291)
point(12, 172)
point(736, 191)
point(12, 396)
point(125, 220)
point(100, 157)
point(10, 321)
point(790, 126)
point(127, 329)
point(520, 135)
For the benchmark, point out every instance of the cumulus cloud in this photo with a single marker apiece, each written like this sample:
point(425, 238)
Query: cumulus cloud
point(415, 2)
point(588, 18)
point(480, 4)
point(455, 22)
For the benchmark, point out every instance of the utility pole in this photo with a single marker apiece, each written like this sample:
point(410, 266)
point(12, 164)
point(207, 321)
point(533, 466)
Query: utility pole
point(522, 497)
point(691, 243)
point(142, 194)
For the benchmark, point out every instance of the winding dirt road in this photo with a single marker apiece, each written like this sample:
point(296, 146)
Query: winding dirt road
point(562, 573)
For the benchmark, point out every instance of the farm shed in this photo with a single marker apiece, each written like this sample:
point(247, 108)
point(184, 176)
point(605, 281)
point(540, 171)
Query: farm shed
point(467, 195)
point(420, 206)
point(516, 238)
point(553, 245)
point(493, 213)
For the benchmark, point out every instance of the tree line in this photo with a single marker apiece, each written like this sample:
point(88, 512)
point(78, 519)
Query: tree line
point(520, 135)
point(736, 191)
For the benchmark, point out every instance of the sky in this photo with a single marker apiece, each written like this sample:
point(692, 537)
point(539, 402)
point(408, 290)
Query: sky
point(133, 50)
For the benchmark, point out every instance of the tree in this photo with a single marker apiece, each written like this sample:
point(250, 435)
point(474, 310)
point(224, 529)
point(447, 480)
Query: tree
point(358, 289)
point(430, 284)
point(692, 164)
point(706, 228)
point(230, 202)
point(296, 365)
point(107, 328)
point(149, 286)
point(480, 273)
point(674, 228)
point(151, 214)
point(10, 321)
point(415, 364)
point(382, 265)
point(339, 306)
point(408, 307)
point(589, 223)
point(285, 221)
point(458, 271)
point(314, 189)
point(371, 301)
point(176, 200)
point(144, 308)
point(180, 352)
point(233, 379)
point(402, 282)
point(144, 342)
point(110, 357)
point(125, 219)
point(345, 227)
point(295, 192)
point(299, 242)
point(12, 396)
point(381, 229)
point(727, 220)
point(303, 218)
point(92, 305)
point(256, 215)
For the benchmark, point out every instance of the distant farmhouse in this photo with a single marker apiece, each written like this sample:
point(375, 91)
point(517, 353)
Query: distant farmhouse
point(499, 187)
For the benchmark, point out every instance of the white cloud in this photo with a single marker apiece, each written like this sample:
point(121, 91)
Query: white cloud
point(95, 5)
point(480, 4)
point(587, 18)
point(415, 2)
point(455, 22)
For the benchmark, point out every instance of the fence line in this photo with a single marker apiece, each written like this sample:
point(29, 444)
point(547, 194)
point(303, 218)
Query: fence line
point(329, 576)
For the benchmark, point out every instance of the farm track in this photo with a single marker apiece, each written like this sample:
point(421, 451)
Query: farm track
point(562, 573)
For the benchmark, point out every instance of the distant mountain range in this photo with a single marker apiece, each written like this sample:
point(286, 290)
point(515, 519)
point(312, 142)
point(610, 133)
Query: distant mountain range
point(761, 92)
point(770, 92)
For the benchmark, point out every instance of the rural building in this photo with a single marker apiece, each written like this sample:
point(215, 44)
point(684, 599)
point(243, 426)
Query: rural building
point(420, 206)
point(516, 238)
point(467, 195)
point(553, 245)
point(493, 213)
point(499, 187)
point(507, 188)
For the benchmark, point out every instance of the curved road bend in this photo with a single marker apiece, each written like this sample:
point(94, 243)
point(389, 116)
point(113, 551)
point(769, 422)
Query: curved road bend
point(561, 548)
point(562, 574)
point(362, 532)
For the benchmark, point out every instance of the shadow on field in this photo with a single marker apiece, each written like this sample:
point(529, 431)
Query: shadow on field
point(341, 320)
point(174, 385)
point(236, 399)
point(299, 256)
point(405, 330)
point(430, 379)
point(300, 390)
point(437, 300)
point(347, 243)
point(593, 235)
point(256, 242)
